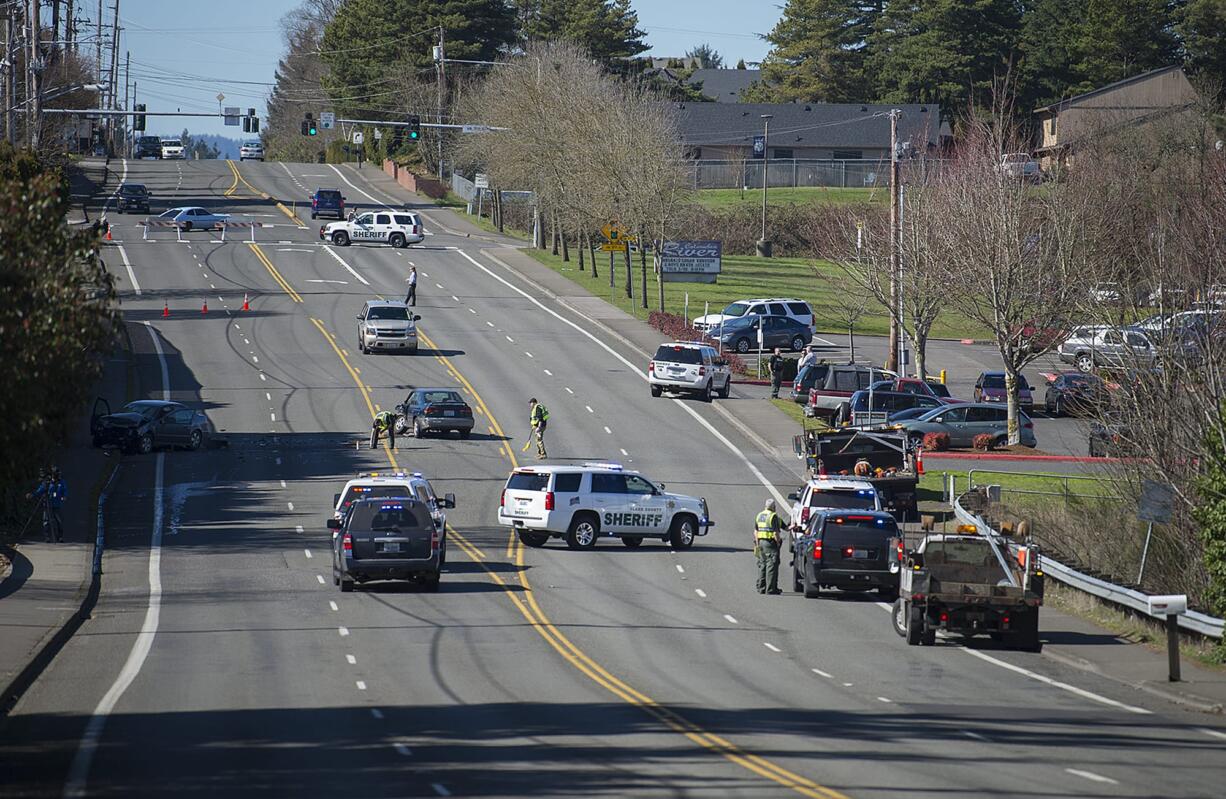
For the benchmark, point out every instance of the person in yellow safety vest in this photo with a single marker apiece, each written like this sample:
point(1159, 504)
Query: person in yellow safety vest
point(385, 422)
point(767, 539)
point(538, 417)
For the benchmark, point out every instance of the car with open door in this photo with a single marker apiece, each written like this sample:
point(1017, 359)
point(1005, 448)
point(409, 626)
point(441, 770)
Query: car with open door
point(146, 425)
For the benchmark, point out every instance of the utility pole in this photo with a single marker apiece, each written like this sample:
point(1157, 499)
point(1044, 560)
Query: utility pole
point(892, 361)
point(70, 27)
point(55, 20)
point(35, 119)
point(440, 63)
point(764, 247)
point(98, 55)
point(127, 74)
point(114, 81)
point(9, 85)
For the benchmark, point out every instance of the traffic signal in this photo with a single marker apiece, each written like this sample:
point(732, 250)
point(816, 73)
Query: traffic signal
point(308, 125)
point(138, 119)
point(251, 123)
point(246, 124)
point(414, 128)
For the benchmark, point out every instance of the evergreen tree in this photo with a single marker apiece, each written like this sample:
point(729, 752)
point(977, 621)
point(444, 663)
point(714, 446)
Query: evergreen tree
point(740, 64)
point(608, 29)
point(1048, 48)
point(370, 44)
point(1121, 38)
point(818, 53)
point(949, 52)
point(707, 56)
point(1202, 26)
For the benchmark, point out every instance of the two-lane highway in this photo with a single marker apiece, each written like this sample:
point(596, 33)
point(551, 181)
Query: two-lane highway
point(222, 659)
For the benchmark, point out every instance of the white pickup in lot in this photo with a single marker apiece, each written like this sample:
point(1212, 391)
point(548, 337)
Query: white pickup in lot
point(584, 502)
point(388, 226)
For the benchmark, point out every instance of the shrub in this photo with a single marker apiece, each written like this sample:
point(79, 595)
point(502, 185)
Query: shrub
point(677, 328)
point(936, 442)
point(983, 441)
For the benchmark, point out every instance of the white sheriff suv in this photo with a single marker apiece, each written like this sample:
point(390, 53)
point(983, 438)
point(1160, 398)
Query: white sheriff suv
point(379, 485)
point(689, 366)
point(584, 502)
point(386, 226)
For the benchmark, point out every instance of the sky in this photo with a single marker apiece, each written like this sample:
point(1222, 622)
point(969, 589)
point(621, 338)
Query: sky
point(232, 47)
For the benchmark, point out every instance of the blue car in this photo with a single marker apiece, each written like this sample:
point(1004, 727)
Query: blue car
point(777, 331)
point(194, 218)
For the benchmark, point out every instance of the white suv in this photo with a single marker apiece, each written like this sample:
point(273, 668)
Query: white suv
point(396, 484)
point(172, 148)
point(689, 366)
point(386, 226)
point(251, 151)
point(792, 308)
point(583, 503)
point(839, 493)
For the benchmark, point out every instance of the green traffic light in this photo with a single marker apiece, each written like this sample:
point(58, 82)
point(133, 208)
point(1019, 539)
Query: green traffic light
point(413, 134)
point(312, 130)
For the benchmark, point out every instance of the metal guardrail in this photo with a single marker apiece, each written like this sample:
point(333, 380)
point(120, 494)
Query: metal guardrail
point(1117, 594)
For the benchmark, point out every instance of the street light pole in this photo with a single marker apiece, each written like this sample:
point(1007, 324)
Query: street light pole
point(764, 246)
point(893, 361)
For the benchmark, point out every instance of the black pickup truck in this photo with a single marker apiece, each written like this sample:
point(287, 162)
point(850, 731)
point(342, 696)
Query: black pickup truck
point(885, 459)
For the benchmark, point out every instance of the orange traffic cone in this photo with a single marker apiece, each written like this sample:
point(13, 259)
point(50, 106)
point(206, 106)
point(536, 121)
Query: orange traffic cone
point(166, 310)
point(108, 233)
point(919, 461)
point(246, 303)
point(205, 308)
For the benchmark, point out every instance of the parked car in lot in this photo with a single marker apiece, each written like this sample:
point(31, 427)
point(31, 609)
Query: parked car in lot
point(964, 422)
point(689, 366)
point(1110, 438)
point(434, 410)
point(990, 387)
point(132, 197)
point(193, 218)
point(878, 407)
point(387, 538)
point(1021, 166)
point(777, 331)
point(327, 202)
point(146, 425)
point(793, 308)
point(913, 385)
point(811, 375)
point(1108, 347)
point(848, 550)
point(1075, 394)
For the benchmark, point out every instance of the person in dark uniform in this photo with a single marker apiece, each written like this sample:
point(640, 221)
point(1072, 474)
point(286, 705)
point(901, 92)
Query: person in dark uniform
point(776, 369)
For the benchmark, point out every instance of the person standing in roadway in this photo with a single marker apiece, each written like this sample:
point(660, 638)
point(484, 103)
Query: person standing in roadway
point(767, 540)
point(411, 297)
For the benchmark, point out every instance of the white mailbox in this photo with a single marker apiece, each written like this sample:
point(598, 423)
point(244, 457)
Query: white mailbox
point(1170, 605)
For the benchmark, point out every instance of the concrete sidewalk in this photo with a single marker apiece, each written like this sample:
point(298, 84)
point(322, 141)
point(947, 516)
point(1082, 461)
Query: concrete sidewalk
point(49, 589)
point(1068, 639)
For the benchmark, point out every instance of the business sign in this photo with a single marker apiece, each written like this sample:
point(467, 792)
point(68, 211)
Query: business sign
point(691, 258)
point(759, 146)
point(327, 120)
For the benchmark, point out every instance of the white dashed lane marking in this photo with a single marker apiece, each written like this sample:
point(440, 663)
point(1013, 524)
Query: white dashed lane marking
point(700, 593)
point(680, 568)
point(1091, 776)
point(589, 408)
point(821, 673)
point(1213, 733)
point(344, 631)
point(333, 605)
point(974, 735)
point(731, 619)
point(607, 430)
point(361, 685)
point(351, 660)
point(771, 646)
point(549, 373)
point(320, 577)
point(307, 552)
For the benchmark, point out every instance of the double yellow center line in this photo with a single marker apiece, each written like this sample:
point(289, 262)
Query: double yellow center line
point(272, 270)
point(525, 601)
point(238, 175)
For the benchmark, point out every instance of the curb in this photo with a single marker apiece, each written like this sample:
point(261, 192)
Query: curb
point(1185, 699)
point(1009, 456)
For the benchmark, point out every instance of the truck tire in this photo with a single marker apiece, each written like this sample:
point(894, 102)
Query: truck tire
point(888, 593)
point(656, 391)
point(899, 617)
point(340, 238)
point(915, 624)
point(682, 531)
point(632, 541)
point(705, 394)
point(727, 389)
point(583, 532)
point(396, 240)
point(535, 540)
point(1026, 636)
point(430, 584)
point(797, 584)
point(346, 586)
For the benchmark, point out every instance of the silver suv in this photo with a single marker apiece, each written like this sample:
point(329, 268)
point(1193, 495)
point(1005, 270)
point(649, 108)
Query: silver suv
point(387, 325)
point(1090, 347)
point(689, 366)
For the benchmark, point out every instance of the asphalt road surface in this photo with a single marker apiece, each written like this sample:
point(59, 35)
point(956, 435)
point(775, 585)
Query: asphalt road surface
point(221, 660)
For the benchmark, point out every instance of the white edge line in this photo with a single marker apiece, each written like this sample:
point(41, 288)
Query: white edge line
point(341, 261)
point(128, 264)
point(1057, 684)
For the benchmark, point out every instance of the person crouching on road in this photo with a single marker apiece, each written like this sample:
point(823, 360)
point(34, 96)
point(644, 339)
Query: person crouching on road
point(385, 422)
point(538, 417)
point(767, 539)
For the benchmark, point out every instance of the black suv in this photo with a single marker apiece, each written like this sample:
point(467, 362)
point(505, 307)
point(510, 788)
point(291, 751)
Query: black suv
point(386, 538)
point(327, 201)
point(148, 147)
point(848, 550)
point(132, 197)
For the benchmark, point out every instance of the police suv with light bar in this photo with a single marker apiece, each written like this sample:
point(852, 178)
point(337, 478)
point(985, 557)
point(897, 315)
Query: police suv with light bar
point(583, 503)
point(374, 485)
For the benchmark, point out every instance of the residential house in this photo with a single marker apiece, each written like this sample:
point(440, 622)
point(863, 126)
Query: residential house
point(1134, 101)
point(723, 85)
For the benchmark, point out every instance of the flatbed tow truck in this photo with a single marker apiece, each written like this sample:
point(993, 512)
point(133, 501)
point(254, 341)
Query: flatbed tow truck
point(968, 584)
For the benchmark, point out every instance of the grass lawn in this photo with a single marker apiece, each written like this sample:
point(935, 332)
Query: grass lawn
point(743, 276)
point(796, 411)
point(1012, 483)
point(726, 198)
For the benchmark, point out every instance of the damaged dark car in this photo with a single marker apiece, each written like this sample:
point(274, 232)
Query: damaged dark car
point(146, 425)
